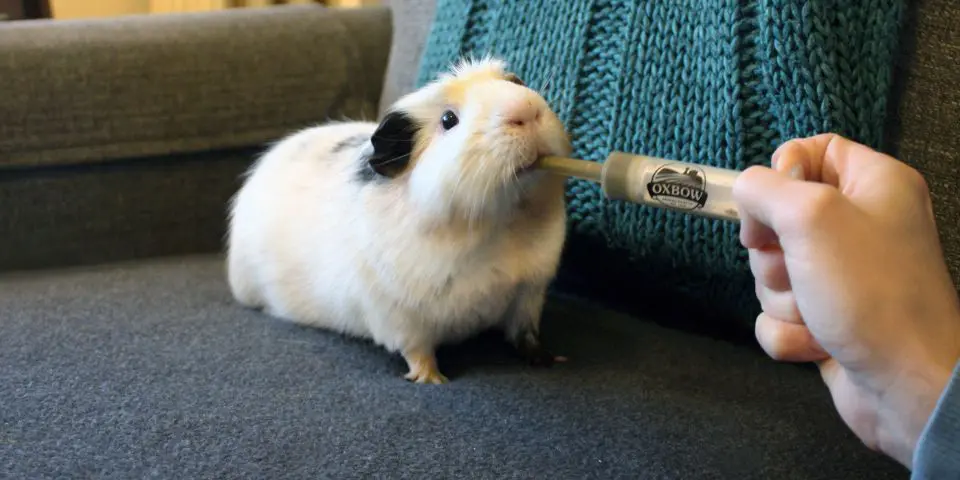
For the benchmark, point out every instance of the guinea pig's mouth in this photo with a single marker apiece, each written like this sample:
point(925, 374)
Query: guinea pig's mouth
point(527, 167)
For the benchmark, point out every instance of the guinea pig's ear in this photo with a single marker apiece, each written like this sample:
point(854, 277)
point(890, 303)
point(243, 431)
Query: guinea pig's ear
point(513, 78)
point(392, 144)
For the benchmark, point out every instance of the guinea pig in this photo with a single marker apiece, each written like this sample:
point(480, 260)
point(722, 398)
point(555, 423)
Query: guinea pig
point(418, 230)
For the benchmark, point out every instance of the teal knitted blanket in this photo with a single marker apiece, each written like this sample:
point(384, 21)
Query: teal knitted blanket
point(715, 82)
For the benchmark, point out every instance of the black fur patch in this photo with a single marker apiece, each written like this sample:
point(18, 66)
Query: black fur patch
point(392, 144)
point(512, 77)
point(350, 142)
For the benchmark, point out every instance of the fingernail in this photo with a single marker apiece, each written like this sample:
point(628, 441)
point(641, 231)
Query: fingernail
point(796, 172)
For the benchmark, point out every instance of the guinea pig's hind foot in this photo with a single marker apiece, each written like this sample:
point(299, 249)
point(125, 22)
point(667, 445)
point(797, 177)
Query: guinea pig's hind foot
point(528, 346)
point(423, 367)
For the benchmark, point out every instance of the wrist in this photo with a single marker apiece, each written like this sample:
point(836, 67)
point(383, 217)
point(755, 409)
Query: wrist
point(905, 407)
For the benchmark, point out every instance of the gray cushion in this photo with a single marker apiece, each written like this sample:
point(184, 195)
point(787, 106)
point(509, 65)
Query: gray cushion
point(137, 370)
point(411, 25)
point(93, 90)
point(144, 207)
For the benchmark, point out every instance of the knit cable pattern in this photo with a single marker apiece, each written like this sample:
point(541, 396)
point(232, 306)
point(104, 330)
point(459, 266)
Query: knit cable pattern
point(714, 82)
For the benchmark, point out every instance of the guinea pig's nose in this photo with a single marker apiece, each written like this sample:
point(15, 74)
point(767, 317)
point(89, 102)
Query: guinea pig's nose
point(521, 112)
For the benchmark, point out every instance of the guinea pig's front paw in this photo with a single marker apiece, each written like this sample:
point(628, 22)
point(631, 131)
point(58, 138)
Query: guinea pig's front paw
point(426, 375)
point(530, 349)
point(423, 367)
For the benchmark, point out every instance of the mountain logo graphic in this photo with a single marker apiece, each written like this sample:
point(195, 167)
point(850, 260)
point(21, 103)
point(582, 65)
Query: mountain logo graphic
point(679, 186)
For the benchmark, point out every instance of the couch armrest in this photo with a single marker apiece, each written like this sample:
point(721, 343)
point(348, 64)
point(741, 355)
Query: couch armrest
point(94, 90)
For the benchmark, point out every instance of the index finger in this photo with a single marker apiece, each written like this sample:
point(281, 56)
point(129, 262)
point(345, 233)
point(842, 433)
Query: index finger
point(765, 198)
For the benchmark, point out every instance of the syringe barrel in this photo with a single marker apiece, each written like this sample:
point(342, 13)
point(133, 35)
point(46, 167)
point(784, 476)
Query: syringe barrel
point(688, 187)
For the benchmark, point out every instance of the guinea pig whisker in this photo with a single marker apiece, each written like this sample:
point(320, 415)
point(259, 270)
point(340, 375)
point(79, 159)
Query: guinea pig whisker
point(492, 182)
point(395, 159)
point(487, 181)
point(477, 203)
point(453, 194)
point(393, 139)
point(546, 84)
point(517, 182)
point(470, 206)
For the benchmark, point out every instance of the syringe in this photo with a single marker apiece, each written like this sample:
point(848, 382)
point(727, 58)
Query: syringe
point(687, 187)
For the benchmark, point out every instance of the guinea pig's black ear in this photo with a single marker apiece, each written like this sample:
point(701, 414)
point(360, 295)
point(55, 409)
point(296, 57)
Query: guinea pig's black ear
point(513, 78)
point(392, 144)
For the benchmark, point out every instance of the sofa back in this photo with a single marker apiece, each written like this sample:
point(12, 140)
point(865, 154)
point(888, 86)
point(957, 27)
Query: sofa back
point(411, 25)
point(125, 138)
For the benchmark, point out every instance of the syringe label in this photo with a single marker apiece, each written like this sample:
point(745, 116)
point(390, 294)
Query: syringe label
point(679, 186)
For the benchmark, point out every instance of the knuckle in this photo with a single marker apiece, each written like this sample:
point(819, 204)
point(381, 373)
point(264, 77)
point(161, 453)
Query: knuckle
point(768, 273)
point(834, 141)
point(746, 178)
point(778, 304)
point(771, 273)
point(760, 291)
point(821, 202)
point(915, 181)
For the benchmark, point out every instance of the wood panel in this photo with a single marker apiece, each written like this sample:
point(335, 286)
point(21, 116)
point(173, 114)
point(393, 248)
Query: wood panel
point(169, 6)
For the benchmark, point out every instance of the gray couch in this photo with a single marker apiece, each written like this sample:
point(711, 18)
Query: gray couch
point(122, 354)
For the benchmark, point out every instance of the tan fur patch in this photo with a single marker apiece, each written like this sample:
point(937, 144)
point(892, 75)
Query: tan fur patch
point(456, 85)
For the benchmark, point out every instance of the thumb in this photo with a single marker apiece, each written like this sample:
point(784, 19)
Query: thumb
point(829, 158)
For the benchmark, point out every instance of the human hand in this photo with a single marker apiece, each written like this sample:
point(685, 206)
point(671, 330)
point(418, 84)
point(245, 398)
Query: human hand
point(850, 274)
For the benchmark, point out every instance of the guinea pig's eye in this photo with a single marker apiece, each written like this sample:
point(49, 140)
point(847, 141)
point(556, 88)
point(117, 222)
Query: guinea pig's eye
point(449, 120)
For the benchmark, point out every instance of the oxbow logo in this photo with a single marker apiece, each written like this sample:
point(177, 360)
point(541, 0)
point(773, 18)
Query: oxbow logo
point(678, 186)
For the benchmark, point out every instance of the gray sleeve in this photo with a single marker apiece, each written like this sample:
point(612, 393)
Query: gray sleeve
point(937, 455)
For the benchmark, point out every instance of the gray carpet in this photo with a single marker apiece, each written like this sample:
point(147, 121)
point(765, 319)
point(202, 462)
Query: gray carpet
point(149, 370)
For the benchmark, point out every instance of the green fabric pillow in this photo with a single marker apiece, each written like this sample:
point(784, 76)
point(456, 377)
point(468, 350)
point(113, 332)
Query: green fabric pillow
point(715, 82)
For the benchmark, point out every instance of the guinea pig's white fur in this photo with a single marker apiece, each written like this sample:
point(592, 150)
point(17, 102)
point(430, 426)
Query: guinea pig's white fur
point(420, 230)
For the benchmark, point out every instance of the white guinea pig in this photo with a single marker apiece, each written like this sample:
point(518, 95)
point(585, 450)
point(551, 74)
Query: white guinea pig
point(421, 230)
